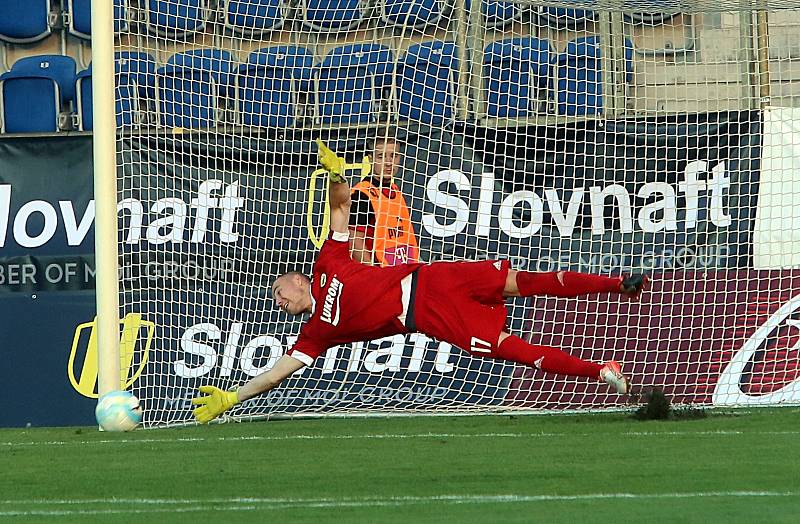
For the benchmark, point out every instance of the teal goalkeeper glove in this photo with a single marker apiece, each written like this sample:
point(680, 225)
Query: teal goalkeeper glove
point(333, 164)
point(215, 404)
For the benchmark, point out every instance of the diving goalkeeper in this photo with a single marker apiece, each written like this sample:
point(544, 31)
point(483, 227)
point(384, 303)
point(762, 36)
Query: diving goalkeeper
point(462, 303)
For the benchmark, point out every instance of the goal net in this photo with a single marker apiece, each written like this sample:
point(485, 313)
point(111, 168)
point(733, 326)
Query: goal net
point(661, 139)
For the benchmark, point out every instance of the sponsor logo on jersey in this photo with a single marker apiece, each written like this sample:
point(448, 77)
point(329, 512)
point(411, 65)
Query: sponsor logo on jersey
point(498, 265)
point(330, 307)
point(323, 278)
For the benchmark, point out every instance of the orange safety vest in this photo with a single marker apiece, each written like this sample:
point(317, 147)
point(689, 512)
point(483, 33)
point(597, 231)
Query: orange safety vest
point(394, 241)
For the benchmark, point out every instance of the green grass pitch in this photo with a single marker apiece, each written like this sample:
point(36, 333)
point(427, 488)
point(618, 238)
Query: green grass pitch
point(737, 466)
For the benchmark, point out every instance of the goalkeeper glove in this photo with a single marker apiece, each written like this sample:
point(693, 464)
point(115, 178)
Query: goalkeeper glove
point(333, 164)
point(215, 404)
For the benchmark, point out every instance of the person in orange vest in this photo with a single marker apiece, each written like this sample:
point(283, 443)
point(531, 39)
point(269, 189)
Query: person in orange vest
point(381, 232)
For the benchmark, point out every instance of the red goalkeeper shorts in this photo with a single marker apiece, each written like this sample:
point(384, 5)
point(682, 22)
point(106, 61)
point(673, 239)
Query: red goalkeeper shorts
point(462, 303)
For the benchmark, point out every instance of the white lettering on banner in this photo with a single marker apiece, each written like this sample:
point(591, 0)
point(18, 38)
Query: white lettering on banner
point(168, 218)
point(420, 344)
point(330, 308)
point(450, 202)
point(206, 354)
point(204, 350)
point(686, 257)
point(17, 274)
point(507, 214)
point(5, 204)
point(728, 390)
point(24, 214)
point(449, 190)
point(392, 352)
point(254, 348)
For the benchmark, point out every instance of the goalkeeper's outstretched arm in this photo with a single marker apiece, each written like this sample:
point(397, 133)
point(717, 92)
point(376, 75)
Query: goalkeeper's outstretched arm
point(270, 379)
point(216, 402)
point(338, 189)
point(340, 205)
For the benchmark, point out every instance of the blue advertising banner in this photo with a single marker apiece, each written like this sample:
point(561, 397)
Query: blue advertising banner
point(46, 277)
point(599, 196)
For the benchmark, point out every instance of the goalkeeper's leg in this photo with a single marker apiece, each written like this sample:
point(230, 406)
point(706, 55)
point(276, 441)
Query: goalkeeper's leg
point(553, 360)
point(571, 284)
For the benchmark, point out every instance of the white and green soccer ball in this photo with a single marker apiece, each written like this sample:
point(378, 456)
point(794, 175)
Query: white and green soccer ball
point(118, 411)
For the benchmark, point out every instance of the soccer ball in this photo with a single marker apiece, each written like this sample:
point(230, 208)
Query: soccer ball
point(118, 411)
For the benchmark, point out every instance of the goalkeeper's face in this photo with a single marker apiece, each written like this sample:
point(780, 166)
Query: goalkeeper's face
point(291, 294)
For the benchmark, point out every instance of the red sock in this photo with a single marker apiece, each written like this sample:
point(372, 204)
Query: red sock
point(564, 284)
point(546, 358)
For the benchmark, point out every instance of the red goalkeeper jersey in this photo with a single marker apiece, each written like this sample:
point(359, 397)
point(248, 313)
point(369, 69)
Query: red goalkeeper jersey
point(351, 302)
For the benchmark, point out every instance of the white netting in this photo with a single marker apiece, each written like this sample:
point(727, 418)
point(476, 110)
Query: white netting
point(564, 137)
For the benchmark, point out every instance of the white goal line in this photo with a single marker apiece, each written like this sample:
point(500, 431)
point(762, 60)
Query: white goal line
point(260, 504)
point(378, 436)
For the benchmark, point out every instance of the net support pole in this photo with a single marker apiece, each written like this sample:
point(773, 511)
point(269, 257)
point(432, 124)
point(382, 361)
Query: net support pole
point(747, 60)
point(608, 64)
point(762, 26)
point(462, 86)
point(105, 195)
point(477, 30)
point(619, 66)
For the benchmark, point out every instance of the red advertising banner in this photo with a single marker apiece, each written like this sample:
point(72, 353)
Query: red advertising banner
point(724, 338)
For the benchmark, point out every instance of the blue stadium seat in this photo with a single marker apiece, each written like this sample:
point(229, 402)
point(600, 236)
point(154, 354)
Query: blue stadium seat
point(35, 92)
point(516, 73)
point(428, 76)
point(135, 90)
point(561, 18)
point(190, 87)
point(175, 17)
point(498, 12)
point(333, 15)
point(249, 17)
point(80, 17)
point(25, 21)
point(580, 77)
point(652, 19)
point(412, 13)
point(268, 85)
point(349, 83)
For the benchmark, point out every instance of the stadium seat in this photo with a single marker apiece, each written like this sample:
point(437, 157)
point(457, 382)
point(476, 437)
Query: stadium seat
point(428, 76)
point(516, 71)
point(175, 17)
point(36, 91)
point(412, 13)
point(651, 19)
point(333, 15)
point(80, 17)
point(580, 78)
point(498, 13)
point(349, 83)
point(190, 87)
point(561, 18)
point(135, 90)
point(23, 22)
point(268, 85)
point(249, 17)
